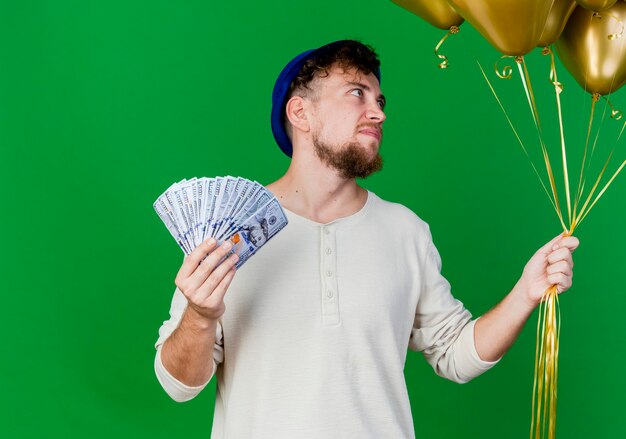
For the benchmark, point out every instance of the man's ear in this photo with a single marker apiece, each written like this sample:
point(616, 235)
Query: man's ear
point(296, 114)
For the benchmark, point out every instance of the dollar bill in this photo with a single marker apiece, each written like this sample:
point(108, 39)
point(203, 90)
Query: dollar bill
point(232, 205)
point(208, 209)
point(259, 228)
point(259, 197)
point(228, 207)
point(228, 187)
point(169, 220)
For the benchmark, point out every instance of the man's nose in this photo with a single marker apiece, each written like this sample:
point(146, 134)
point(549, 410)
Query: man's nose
point(376, 114)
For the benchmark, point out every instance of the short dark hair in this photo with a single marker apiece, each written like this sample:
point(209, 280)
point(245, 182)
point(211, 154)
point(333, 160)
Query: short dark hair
point(350, 54)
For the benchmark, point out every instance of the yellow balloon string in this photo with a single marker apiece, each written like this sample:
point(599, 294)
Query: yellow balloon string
point(584, 212)
point(444, 63)
point(582, 180)
point(603, 190)
point(586, 208)
point(544, 400)
point(558, 89)
point(621, 132)
point(519, 140)
point(525, 78)
point(615, 114)
point(507, 71)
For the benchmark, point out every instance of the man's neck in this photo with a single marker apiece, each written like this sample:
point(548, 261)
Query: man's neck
point(318, 193)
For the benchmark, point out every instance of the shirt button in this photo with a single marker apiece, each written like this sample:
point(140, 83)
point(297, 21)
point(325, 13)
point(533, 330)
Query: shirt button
point(327, 231)
point(328, 251)
point(329, 294)
point(329, 273)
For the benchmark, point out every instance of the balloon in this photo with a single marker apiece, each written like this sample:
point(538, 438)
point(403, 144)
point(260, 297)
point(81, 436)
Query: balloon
point(596, 5)
point(511, 26)
point(559, 13)
point(437, 12)
point(596, 61)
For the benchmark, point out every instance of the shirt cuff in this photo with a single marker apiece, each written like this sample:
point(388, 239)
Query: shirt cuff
point(177, 390)
point(473, 364)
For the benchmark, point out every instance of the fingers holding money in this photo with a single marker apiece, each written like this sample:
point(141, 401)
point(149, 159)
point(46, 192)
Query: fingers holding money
point(205, 276)
point(191, 262)
point(209, 268)
point(209, 264)
point(208, 299)
point(211, 292)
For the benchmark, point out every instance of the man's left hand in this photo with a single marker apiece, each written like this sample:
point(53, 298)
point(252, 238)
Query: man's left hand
point(551, 265)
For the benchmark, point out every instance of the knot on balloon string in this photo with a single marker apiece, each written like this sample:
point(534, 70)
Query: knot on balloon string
point(595, 97)
point(558, 86)
point(444, 59)
point(615, 114)
point(505, 72)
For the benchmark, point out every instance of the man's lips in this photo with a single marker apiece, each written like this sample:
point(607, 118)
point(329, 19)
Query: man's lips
point(372, 132)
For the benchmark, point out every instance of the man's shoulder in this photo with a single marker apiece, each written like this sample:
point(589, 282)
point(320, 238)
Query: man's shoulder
point(398, 214)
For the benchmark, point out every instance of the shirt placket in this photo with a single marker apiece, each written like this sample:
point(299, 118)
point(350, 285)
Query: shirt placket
point(328, 270)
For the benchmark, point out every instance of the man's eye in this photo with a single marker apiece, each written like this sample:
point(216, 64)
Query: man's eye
point(357, 92)
point(381, 103)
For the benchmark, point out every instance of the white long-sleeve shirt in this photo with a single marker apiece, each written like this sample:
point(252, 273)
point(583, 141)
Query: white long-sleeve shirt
point(317, 324)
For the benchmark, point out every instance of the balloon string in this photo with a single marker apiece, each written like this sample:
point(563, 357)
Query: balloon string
point(519, 140)
point(538, 382)
point(557, 342)
point(584, 212)
point(444, 63)
point(543, 423)
point(603, 190)
point(581, 181)
point(621, 132)
point(558, 89)
point(525, 78)
point(507, 71)
point(595, 141)
point(615, 114)
point(530, 95)
point(544, 399)
point(553, 77)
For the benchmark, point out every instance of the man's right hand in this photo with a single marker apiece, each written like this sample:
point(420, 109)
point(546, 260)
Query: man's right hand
point(203, 280)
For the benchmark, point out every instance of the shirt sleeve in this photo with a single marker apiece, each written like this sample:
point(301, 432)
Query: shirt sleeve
point(443, 330)
point(174, 388)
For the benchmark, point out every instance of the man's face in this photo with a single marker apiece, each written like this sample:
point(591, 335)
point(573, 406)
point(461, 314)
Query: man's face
point(346, 126)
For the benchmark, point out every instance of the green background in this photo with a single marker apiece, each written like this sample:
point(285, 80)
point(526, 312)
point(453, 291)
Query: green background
point(104, 104)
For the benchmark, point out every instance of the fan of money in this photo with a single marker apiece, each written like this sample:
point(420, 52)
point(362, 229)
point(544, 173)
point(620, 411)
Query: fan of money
point(225, 208)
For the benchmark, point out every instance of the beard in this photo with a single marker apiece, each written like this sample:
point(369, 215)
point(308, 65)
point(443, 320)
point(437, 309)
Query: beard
point(349, 160)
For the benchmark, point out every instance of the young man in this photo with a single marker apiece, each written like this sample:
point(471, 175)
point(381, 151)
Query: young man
point(311, 339)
